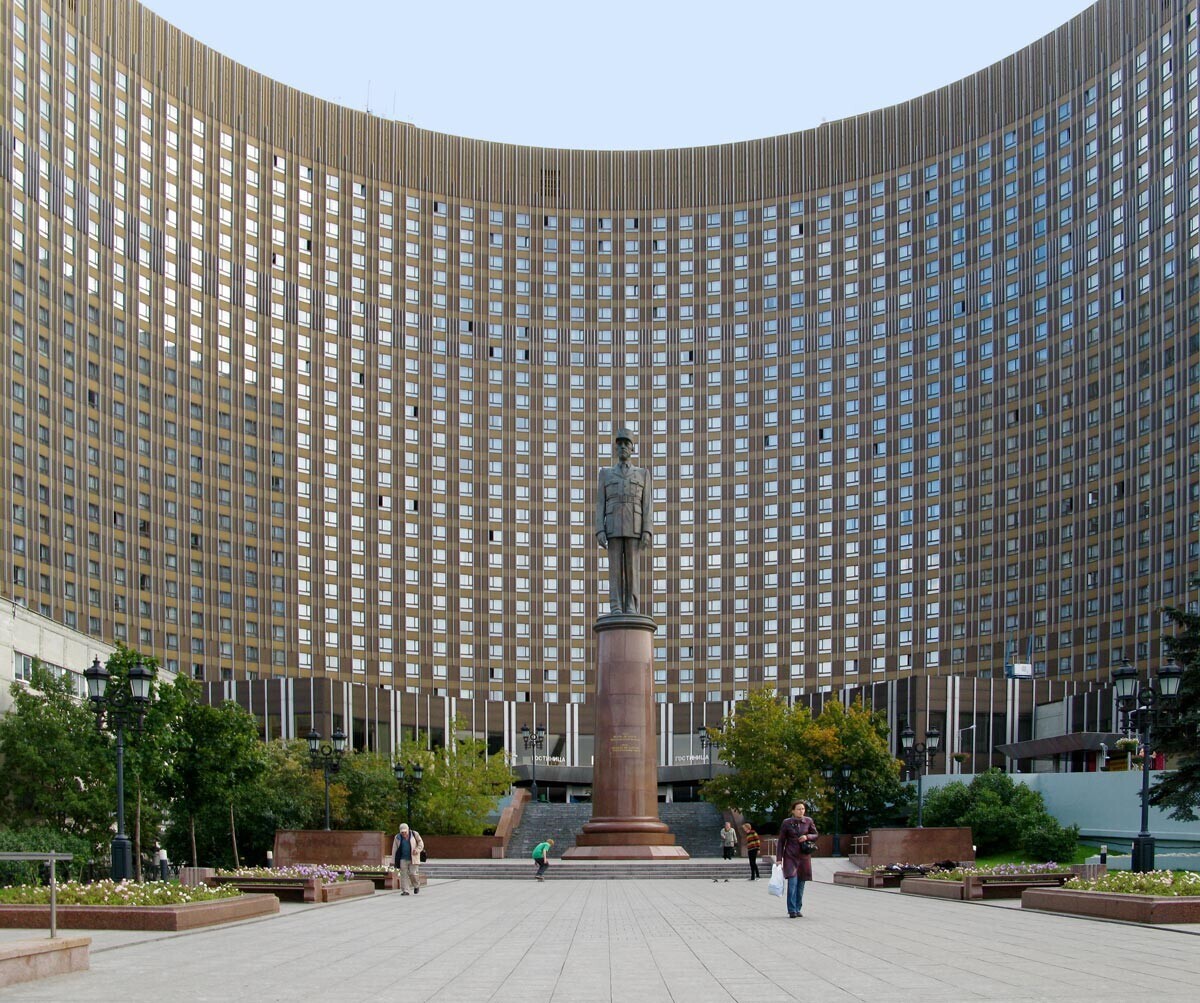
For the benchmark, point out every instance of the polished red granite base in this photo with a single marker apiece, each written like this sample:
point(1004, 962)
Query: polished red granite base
point(625, 823)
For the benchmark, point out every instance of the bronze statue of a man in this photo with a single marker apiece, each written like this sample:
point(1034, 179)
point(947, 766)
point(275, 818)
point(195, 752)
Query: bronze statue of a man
point(623, 523)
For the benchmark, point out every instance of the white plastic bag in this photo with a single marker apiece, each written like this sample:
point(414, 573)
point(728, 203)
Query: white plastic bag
point(775, 885)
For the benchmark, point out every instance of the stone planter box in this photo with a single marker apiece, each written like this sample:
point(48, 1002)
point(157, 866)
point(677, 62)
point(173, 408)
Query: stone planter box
point(1010, 886)
point(299, 889)
point(1109, 905)
point(917, 846)
point(338, 890)
point(26, 960)
point(856, 879)
point(463, 847)
point(932, 888)
point(381, 879)
point(337, 846)
point(983, 886)
point(187, 916)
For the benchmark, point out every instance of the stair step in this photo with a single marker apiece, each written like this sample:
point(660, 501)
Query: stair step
point(695, 825)
point(567, 870)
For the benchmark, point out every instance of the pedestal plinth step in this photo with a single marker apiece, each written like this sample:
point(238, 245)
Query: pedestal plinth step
point(580, 870)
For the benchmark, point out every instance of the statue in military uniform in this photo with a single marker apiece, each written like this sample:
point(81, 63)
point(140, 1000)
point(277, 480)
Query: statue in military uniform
point(623, 523)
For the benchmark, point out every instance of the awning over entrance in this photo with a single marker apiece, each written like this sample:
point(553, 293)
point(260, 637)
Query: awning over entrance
point(1060, 745)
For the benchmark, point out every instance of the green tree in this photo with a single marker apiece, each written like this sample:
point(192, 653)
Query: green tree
point(371, 799)
point(1179, 790)
point(211, 755)
point(858, 738)
point(284, 794)
point(460, 786)
point(775, 753)
point(58, 770)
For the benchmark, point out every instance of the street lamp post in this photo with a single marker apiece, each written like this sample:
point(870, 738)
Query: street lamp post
point(918, 756)
point(409, 781)
point(837, 777)
point(327, 758)
point(533, 740)
point(709, 740)
point(961, 732)
point(1146, 706)
point(116, 707)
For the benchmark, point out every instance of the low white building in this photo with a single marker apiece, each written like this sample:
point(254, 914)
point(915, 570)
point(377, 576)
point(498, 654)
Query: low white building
point(25, 635)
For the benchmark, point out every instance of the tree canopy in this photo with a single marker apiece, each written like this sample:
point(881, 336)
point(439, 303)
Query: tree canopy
point(58, 769)
point(1179, 789)
point(777, 752)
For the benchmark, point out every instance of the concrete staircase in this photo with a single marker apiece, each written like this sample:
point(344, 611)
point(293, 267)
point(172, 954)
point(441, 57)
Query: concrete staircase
point(696, 825)
point(541, 820)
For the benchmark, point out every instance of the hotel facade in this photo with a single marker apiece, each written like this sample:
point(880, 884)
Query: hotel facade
point(309, 404)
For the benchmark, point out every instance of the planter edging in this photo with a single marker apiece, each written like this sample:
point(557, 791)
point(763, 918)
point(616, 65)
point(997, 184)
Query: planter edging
point(1113, 905)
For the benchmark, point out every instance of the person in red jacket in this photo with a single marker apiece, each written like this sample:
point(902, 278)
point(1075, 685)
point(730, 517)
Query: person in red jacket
point(795, 831)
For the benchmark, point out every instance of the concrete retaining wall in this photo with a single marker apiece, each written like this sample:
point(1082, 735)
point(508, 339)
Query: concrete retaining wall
point(1104, 805)
point(26, 960)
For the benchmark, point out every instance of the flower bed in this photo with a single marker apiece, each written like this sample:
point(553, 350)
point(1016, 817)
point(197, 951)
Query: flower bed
point(1150, 897)
point(999, 881)
point(296, 882)
point(998, 870)
point(1163, 883)
point(323, 872)
point(129, 905)
point(114, 893)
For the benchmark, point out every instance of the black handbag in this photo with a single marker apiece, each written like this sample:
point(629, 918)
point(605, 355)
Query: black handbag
point(424, 856)
point(808, 846)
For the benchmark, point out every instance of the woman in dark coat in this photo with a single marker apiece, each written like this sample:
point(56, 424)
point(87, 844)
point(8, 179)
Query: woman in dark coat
point(797, 868)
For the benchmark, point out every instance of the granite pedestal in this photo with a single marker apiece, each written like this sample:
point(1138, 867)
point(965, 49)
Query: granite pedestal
point(625, 823)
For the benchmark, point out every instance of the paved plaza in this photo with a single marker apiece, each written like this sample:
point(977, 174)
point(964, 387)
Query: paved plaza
point(462, 941)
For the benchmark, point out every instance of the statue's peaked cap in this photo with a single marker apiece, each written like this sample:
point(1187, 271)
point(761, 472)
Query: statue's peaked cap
point(625, 433)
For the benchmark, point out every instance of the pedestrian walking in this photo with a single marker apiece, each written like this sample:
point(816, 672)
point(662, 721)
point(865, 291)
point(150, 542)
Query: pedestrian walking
point(728, 840)
point(753, 843)
point(541, 857)
point(797, 840)
point(406, 854)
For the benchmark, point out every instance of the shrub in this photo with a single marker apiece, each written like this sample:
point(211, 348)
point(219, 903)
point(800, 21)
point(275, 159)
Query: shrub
point(995, 827)
point(946, 805)
point(1000, 813)
point(1046, 839)
point(33, 839)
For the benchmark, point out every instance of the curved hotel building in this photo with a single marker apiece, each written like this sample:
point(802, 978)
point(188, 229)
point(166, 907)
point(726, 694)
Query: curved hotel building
point(310, 404)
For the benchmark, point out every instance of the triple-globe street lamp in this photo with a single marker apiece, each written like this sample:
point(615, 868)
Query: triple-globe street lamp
point(409, 781)
point(709, 740)
point(327, 757)
point(115, 707)
point(917, 757)
point(837, 777)
point(1147, 706)
point(533, 740)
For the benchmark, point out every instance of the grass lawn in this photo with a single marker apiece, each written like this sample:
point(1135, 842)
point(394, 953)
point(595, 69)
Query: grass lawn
point(1082, 852)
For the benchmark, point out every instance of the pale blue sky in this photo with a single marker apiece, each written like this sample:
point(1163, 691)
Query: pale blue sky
point(618, 74)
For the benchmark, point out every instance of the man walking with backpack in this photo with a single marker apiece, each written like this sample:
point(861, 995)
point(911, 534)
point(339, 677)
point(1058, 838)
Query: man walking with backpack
point(541, 857)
